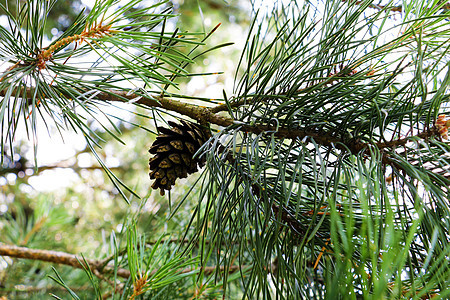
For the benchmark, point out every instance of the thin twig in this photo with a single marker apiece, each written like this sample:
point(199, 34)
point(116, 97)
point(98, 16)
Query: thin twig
point(36, 227)
point(398, 8)
point(35, 289)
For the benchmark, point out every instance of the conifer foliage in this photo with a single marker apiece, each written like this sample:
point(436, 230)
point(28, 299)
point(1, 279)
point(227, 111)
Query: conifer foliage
point(324, 167)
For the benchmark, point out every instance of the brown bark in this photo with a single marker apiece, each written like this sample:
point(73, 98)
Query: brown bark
point(58, 257)
point(72, 260)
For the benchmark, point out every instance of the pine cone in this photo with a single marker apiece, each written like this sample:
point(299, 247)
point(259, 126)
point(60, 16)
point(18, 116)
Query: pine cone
point(174, 149)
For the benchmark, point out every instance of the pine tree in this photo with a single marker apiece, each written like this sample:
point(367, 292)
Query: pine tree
point(326, 169)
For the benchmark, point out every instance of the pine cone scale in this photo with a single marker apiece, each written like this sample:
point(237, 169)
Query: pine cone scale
point(177, 145)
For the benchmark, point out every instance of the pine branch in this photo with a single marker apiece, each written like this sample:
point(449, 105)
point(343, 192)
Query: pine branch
point(204, 115)
point(57, 257)
point(72, 260)
point(209, 115)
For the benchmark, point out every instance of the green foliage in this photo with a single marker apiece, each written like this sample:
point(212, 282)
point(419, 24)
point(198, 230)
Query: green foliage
point(60, 17)
point(352, 94)
point(117, 47)
point(330, 183)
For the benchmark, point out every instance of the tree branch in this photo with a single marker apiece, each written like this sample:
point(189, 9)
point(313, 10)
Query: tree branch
point(204, 114)
point(97, 266)
point(58, 258)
